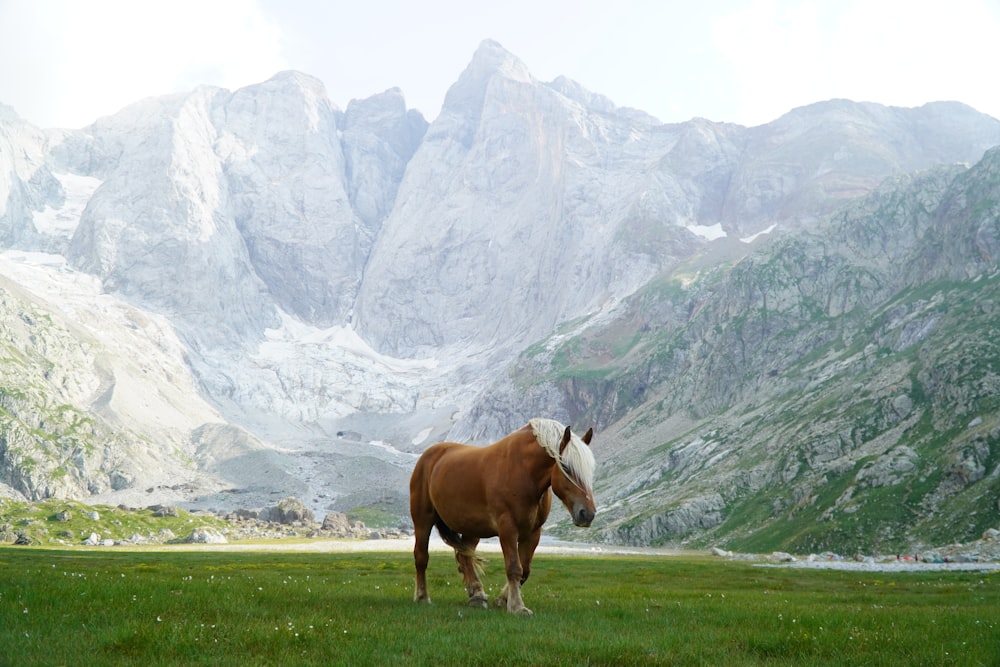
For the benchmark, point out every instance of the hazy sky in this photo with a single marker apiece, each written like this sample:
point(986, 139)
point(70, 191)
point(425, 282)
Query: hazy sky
point(67, 62)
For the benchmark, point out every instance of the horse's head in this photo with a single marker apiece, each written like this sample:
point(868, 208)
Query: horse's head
point(573, 477)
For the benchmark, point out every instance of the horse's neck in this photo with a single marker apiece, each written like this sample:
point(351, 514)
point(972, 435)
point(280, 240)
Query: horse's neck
point(536, 462)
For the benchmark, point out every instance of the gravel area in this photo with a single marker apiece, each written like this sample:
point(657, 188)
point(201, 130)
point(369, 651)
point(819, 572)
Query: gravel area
point(335, 545)
point(889, 566)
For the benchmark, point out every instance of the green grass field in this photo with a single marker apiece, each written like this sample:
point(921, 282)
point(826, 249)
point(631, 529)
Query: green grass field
point(132, 607)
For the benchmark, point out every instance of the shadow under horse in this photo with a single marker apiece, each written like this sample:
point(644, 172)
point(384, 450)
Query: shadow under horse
point(505, 490)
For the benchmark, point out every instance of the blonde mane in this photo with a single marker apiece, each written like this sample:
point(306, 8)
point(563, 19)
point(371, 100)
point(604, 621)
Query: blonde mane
point(577, 461)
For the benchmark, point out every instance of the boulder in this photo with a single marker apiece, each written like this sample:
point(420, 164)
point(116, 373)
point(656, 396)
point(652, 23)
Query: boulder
point(161, 511)
point(337, 523)
point(288, 511)
point(206, 536)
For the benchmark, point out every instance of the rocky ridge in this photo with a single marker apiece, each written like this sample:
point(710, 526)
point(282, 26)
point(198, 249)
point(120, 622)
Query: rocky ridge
point(75, 524)
point(838, 386)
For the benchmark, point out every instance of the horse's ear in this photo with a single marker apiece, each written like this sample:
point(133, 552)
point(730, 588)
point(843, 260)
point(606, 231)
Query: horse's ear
point(565, 440)
point(588, 436)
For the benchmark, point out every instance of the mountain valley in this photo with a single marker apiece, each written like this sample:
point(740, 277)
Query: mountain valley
point(785, 336)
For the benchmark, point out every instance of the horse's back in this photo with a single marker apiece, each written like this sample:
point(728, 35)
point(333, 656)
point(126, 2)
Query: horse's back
point(420, 480)
point(430, 459)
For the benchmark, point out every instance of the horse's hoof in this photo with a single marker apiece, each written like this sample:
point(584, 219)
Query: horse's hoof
point(524, 611)
point(479, 603)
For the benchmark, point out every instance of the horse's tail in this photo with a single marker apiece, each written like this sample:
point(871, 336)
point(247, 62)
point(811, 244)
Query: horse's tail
point(454, 540)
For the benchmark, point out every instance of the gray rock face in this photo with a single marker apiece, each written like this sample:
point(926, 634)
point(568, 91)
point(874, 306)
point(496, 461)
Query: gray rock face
point(230, 190)
point(157, 229)
point(539, 202)
point(284, 132)
point(27, 184)
point(380, 136)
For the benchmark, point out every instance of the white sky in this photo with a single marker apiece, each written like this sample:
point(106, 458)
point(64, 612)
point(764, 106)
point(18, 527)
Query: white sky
point(64, 63)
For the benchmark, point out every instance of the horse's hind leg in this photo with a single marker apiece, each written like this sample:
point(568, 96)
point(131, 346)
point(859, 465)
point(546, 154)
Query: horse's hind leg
point(423, 515)
point(468, 565)
point(421, 537)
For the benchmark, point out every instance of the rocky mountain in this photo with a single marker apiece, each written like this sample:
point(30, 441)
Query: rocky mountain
point(335, 290)
point(836, 388)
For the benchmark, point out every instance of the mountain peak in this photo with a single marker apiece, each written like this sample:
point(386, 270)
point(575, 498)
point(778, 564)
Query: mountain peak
point(492, 59)
point(307, 83)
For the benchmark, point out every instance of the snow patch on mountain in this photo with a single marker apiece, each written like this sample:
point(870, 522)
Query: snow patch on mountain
point(62, 221)
point(710, 232)
point(304, 374)
point(334, 342)
point(763, 232)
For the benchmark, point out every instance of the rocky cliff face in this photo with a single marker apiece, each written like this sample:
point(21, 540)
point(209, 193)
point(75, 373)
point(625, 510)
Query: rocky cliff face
point(232, 189)
point(538, 203)
point(347, 286)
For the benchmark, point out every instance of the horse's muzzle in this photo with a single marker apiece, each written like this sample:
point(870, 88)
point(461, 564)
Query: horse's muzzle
point(583, 517)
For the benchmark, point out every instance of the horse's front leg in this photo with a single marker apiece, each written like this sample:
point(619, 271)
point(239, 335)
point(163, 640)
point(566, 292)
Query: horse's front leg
point(511, 593)
point(526, 550)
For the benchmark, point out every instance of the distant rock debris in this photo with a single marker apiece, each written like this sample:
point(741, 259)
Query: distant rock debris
point(338, 525)
point(206, 536)
point(164, 510)
point(289, 511)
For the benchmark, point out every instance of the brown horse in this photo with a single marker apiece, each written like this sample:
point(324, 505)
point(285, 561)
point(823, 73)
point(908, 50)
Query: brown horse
point(501, 490)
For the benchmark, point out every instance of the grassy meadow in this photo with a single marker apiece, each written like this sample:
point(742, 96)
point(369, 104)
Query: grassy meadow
point(171, 607)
